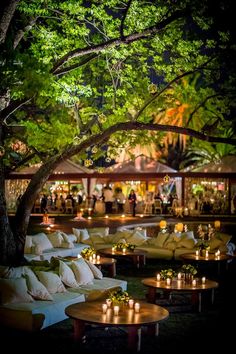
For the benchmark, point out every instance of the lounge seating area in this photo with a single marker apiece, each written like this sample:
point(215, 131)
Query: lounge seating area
point(34, 297)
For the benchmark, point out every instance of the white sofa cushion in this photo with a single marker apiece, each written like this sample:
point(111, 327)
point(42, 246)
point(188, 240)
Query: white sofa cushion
point(95, 270)
point(28, 244)
point(14, 291)
point(51, 281)
point(35, 288)
point(41, 241)
point(81, 234)
point(82, 272)
point(67, 275)
point(55, 238)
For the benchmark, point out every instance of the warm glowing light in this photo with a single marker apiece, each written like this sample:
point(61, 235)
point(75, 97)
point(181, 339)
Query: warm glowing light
point(179, 227)
point(217, 224)
point(163, 224)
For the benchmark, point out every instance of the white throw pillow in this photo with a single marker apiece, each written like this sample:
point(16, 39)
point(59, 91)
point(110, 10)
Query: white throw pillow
point(35, 288)
point(14, 291)
point(28, 245)
point(55, 238)
point(161, 239)
point(82, 272)
point(95, 270)
point(104, 231)
point(81, 234)
point(51, 281)
point(67, 245)
point(137, 238)
point(67, 275)
point(42, 241)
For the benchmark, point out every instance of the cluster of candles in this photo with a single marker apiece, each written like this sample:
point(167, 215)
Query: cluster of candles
point(217, 253)
point(179, 278)
point(116, 308)
point(94, 258)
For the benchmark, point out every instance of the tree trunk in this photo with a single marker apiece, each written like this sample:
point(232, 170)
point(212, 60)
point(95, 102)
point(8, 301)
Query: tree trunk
point(8, 252)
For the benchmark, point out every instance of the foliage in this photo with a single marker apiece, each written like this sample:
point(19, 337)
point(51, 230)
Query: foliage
point(119, 296)
point(167, 273)
point(203, 245)
point(188, 269)
point(87, 252)
point(123, 245)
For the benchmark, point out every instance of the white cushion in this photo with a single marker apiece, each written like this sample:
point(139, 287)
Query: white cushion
point(14, 291)
point(12, 272)
point(95, 270)
point(137, 238)
point(82, 272)
point(104, 231)
point(51, 281)
point(67, 275)
point(41, 241)
point(55, 238)
point(81, 234)
point(160, 239)
point(28, 244)
point(35, 288)
point(67, 245)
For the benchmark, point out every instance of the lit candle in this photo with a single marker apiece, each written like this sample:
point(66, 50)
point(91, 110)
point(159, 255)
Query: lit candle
point(98, 258)
point(194, 282)
point(123, 215)
point(168, 281)
point(106, 216)
point(197, 253)
point(113, 249)
point(131, 303)
point(179, 276)
point(158, 276)
point(94, 256)
point(136, 307)
point(207, 254)
point(104, 308)
point(108, 302)
point(124, 250)
point(90, 258)
point(116, 310)
point(203, 280)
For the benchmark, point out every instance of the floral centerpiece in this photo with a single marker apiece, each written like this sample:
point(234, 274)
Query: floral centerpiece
point(189, 272)
point(88, 252)
point(167, 273)
point(119, 297)
point(188, 269)
point(123, 245)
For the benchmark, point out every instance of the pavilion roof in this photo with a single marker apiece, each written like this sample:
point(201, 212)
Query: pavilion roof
point(141, 164)
point(227, 164)
point(65, 167)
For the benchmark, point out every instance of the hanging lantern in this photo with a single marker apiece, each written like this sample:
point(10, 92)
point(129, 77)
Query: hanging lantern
point(179, 227)
point(166, 179)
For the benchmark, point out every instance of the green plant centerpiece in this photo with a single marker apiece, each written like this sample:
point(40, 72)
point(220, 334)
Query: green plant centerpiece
point(167, 273)
point(123, 245)
point(189, 271)
point(119, 297)
point(203, 246)
point(88, 252)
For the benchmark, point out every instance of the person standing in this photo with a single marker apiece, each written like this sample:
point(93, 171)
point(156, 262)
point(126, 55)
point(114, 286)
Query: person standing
point(132, 201)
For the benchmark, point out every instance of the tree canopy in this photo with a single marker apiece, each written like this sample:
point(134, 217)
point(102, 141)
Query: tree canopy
point(76, 74)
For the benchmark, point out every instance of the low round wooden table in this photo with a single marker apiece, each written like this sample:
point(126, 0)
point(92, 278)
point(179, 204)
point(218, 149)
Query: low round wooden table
point(91, 312)
point(138, 256)
point(181, 286)
point(211, 258)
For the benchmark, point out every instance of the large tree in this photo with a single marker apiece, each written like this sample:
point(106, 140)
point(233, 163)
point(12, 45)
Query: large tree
point(76, 74)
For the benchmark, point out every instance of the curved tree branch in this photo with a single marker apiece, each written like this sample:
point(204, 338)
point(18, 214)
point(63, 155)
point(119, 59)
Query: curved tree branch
point(7, 15)
point(64, 71)
point(20, 34)
point(124, 18)
point(118, 41)
point(12, 107)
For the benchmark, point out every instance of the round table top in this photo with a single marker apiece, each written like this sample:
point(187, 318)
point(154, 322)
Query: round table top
point(102, 261)
point(181, 285)
point(210, 258)
point(91, 312)
point(135, 252)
